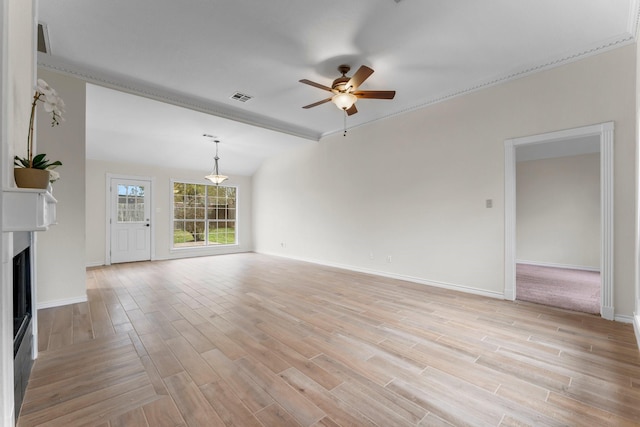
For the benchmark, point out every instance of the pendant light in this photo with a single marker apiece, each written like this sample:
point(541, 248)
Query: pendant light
point(215, 176)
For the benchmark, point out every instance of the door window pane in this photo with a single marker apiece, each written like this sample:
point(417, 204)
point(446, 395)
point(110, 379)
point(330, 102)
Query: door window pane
point(130, 203)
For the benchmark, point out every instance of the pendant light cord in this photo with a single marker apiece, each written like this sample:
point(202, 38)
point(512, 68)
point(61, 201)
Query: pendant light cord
point(216, 158)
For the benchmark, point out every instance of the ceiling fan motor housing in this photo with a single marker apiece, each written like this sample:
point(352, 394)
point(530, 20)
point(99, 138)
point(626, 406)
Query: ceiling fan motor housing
point(340, 84)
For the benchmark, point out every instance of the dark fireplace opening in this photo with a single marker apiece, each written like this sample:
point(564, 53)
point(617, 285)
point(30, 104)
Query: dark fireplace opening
point(22, 326)
point(21, 297)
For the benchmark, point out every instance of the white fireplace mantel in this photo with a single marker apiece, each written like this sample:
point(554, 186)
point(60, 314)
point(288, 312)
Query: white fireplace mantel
point(27, 209)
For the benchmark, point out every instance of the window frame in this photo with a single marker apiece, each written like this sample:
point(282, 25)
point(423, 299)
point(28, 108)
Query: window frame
point(206, 244)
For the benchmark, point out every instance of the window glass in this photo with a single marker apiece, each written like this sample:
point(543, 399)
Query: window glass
point(130, 203)
point(203, 215)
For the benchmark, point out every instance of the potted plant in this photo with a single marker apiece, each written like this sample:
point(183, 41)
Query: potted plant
point(37, 171)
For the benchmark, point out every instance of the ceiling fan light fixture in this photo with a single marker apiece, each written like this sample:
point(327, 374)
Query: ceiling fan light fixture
point(344, 100)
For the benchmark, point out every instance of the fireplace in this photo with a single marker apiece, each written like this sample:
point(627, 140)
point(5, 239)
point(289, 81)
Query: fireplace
point(22, 326)
point(24, 211)
point(21, 297)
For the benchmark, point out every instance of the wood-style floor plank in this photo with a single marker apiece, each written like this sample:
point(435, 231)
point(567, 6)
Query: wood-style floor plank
point(253, 340)
point(163, 412)
point(192, 404)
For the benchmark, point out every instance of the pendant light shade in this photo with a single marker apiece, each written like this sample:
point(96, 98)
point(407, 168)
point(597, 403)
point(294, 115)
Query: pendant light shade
point(216, 179)
point(215, 176)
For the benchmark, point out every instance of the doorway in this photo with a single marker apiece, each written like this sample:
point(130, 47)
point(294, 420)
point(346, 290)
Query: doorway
point(129, 220)
point(604, 134)
point(558, 224)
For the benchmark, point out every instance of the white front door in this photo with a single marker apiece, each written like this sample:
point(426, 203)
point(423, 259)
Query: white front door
point(130, 220)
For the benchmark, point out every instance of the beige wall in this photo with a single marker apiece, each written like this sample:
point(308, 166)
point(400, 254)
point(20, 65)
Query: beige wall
point(96, 211)
point(414, 186)
point(558, 211)
point(60, 254)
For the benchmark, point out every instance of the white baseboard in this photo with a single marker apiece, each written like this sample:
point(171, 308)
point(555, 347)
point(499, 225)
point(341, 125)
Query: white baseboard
point(179, 254)
point(622, 318)
point(509, 294)
point(636, 328)
point(61, 302)
point(94, 264)
point(550, 264)
point(608, 313)
point(434, 283)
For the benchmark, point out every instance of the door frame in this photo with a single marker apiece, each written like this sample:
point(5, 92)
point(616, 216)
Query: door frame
point(605, 132)
point(152, 181)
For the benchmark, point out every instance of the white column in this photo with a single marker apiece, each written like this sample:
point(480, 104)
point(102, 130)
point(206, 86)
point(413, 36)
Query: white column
point(606, 220)
point(6, 239)
point(509, 221)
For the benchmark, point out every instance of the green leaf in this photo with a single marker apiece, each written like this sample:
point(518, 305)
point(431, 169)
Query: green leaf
point(54, 165)
point(39, 162)
point(19, 161)
point(39, 158)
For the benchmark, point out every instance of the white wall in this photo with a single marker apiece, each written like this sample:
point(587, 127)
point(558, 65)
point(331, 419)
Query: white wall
point(60, 252)
point(17, 72)
point(96, 212)
point(558, 211)
point(414, 186)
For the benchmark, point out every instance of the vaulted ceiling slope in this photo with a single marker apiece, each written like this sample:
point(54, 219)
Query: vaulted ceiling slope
point(199, 54)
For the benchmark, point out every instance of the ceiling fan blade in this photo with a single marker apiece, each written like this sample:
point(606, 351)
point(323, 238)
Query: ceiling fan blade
point(315, 104)
point(360, 76)
point(352, 110)
point(375, 94)
point(314, 84)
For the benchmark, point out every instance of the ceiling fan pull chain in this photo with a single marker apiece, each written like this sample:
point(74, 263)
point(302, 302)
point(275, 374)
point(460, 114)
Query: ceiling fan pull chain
point(345, 123)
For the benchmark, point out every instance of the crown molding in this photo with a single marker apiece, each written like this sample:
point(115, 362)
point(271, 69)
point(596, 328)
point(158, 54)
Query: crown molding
point(144, 89)
point(634, 18)
point(610, 44)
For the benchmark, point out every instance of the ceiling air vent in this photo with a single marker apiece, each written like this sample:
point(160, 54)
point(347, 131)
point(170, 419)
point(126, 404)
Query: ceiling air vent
point(43, 38)
point(242, 97)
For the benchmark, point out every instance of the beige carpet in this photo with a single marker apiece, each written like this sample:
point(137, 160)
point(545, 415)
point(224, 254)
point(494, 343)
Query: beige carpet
point(576, 290)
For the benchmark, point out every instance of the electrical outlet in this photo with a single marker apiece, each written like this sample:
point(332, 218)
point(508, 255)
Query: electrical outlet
point(370, 255)
point(389, 258)
point(489, 203)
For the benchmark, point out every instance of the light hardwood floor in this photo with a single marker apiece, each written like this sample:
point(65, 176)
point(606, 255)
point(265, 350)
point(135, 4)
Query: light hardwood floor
point(253, 340)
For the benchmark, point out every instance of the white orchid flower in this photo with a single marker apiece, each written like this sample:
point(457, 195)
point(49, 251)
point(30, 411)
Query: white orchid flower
point(52, 103)
point(53, 175)
point(55, 105)
point(43, 87)
point(49, 105)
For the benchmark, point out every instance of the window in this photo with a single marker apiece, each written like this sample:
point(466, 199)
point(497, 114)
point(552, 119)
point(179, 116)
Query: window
point(203, 215)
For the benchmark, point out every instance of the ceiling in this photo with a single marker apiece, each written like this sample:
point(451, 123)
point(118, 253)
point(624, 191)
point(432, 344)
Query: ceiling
point(187, 59)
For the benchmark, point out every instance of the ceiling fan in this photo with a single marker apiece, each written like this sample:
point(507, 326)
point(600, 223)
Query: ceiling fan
point(345, 90)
